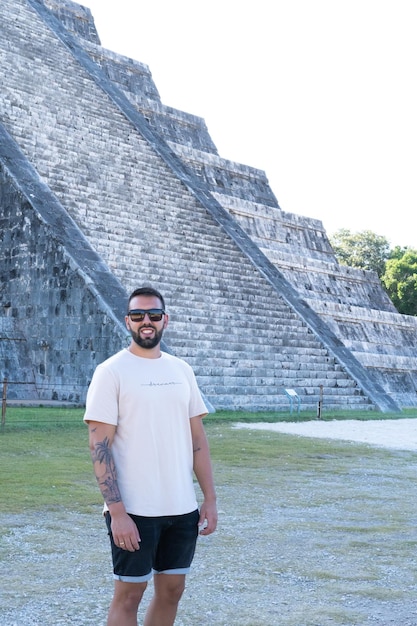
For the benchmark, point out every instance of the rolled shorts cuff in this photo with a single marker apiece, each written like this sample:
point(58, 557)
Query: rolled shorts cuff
point(178, 570)
point(133, 579)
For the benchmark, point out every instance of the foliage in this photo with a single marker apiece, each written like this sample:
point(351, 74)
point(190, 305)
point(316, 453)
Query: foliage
point(397, 252)
point(396, 268)
point(400, 279)
point(364, 250)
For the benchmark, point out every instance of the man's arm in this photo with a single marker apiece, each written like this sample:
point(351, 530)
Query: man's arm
point(124, 530)
point(204, 474)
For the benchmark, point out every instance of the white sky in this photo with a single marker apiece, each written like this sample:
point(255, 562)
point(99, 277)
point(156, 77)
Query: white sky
point(321, 94)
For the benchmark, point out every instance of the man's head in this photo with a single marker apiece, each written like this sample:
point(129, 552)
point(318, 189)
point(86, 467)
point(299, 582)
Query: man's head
point(146, 291)
point(146, 318)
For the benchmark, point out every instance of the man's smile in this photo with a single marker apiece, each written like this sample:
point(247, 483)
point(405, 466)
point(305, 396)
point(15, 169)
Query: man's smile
point(147, 331)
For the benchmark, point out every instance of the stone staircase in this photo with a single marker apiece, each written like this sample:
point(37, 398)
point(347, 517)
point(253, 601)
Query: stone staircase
point(352, 302)
point(145, 186)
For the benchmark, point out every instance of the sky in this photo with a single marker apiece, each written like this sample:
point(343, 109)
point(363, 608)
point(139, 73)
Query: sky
point(320, 94)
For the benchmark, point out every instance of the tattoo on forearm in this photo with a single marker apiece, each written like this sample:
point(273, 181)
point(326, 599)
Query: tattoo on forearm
point(106, 476)
point(196, 450)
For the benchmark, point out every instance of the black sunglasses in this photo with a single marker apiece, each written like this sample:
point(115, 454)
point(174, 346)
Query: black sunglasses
point(138, 315)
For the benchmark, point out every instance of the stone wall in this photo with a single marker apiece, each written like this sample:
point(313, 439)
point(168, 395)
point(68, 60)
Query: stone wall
point(54, 328)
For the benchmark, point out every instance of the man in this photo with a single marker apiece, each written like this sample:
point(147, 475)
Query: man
point(144, 413)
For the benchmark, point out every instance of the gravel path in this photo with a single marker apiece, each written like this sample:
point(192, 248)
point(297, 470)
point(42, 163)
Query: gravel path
point(399, 434)
point(330, 543)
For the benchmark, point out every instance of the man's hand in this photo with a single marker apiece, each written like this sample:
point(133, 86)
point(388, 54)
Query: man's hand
point(208, 518)
point(125, 532)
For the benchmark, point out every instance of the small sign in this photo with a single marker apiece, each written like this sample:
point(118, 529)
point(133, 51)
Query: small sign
point(291, 392)
point(293, 395)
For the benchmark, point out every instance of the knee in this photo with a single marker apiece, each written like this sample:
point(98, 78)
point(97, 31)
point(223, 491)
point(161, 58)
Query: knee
point(129, 595)
point(171, 592)
point(176, 592)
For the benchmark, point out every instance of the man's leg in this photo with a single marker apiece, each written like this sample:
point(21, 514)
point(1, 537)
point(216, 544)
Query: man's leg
point(124, 606)
point(164, 604)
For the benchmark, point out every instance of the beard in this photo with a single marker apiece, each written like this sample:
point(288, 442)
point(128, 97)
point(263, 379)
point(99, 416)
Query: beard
point(148, 342)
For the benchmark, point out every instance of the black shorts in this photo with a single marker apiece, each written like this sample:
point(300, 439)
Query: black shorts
point(167, 546)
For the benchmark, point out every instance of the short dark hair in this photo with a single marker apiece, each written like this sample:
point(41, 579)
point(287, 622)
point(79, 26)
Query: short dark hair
point(146, 291)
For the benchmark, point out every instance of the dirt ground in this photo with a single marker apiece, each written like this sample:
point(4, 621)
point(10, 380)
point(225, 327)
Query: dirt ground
point(331, 543)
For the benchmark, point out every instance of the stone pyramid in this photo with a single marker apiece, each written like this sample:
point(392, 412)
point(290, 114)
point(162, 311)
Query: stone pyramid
point(105, 188)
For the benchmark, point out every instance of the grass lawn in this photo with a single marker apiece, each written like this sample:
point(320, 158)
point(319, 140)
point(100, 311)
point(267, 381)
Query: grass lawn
point(45, 461)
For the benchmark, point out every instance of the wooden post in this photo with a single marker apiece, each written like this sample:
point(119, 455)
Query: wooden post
point(319, 406)
point(3, 405)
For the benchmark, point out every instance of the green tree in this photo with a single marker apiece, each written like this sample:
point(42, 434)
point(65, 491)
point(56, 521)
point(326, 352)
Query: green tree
point(364, 250)
point(400, 279)
point(397, 252)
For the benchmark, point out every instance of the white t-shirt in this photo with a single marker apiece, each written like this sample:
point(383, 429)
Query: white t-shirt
point(151, 401)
